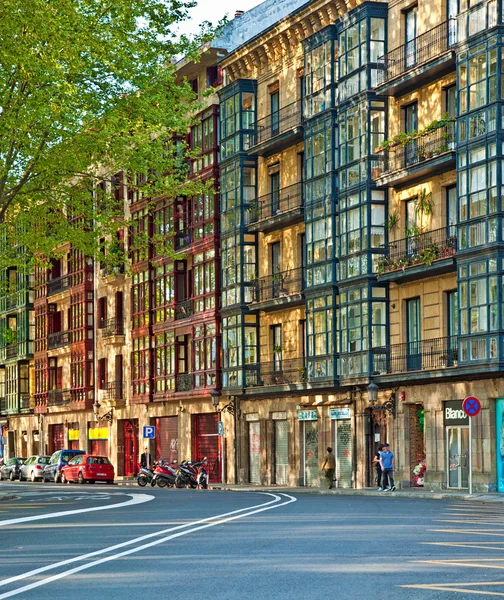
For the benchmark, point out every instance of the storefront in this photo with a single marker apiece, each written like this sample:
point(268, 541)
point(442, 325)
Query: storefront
point(167, 441)
point(254, 438)
point(309, 436)
point(342, 435)
point(207, 443)
point(499, 436)
point(97, 439)
point(56, 437)
point(456, 425)
point(74, 441)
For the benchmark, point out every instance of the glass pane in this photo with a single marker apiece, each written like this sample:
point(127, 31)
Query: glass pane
point(453, 458)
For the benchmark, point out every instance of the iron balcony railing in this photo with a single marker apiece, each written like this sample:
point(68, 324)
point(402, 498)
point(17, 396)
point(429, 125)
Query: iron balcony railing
point(113, 270)
point(58, 339)
point(423, 248)
point(184, 309)
point(420, 149)
point(279, 285)
point(25, 402)
point(11, 351)
point(278, 122)
point(183, 238)
point(184, 382)
point(422, 49)
point(283, 372)
point(114, 390)
point(110, 327)
point(60, 284)
point(3, 406)
point(421, 355)
point(58, 397)
point(11, 301)
point(280, 202)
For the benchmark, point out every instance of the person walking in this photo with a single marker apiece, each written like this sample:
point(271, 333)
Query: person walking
point(387, 465)
point(376, 461)
point(329, 466)
point(145, 458)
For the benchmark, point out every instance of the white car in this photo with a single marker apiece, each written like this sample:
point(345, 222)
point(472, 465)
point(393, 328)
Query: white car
point(33, 468)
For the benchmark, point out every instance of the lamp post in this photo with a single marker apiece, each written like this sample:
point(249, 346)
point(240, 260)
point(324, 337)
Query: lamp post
point(216, 395)
point(372, 390)
point(388, 406)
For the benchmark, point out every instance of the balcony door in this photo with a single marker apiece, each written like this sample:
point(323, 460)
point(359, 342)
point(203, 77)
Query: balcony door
point(410, 118)
point(413, 335)
point(451, 211)
point(410, 41)
point(452, 329)
point(276, 341)
point(275, 193)
point(275, 269)
point(452, 10)
point(275, 112)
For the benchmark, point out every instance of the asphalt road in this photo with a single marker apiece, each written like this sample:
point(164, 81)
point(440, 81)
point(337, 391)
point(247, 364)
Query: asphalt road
point(94, 542)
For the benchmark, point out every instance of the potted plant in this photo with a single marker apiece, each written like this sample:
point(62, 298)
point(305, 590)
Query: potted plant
point(443, 359)
point(9, 336)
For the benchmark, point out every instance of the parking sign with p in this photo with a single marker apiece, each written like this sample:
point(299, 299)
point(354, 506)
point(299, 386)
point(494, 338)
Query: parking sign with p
point(149, 432)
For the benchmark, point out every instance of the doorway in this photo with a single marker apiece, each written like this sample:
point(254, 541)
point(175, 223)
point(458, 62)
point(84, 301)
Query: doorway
point(310, 454)
point(457, 457)
point(254, 452)
point(281, 452)
point(130, 428)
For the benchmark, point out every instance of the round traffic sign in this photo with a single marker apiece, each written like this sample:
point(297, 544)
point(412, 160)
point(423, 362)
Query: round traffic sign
point(471, 406)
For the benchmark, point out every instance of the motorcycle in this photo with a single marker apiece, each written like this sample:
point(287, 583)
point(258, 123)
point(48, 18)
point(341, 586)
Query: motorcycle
point(192, 474)
point(145, 476)
point(164, 475)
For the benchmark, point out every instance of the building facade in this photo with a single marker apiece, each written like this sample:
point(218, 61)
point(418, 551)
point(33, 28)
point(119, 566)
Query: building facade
point(339, 284)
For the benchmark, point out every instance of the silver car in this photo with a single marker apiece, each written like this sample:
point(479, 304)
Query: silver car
point(33, 468)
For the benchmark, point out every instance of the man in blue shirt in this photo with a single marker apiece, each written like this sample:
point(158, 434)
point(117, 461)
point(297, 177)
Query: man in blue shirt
point(387, 465)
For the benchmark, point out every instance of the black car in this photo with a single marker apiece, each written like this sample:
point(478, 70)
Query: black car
point(11, 468)
point(52, 471)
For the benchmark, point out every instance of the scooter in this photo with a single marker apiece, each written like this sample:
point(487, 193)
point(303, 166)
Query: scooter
point(192, 474)
point(145, 476)
point(164, 475)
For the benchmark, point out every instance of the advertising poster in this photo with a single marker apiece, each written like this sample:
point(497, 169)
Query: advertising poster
point(499, 436)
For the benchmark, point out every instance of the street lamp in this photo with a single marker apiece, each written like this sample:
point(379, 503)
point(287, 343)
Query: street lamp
point(372, 390)
point(215, 394)
point(388, 405)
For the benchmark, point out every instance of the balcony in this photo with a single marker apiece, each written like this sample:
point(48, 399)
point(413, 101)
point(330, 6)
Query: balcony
point(425, 355)
point(58, 397)
point(60, 284)
point(113, 274)
point(111, 327)
point(113, 391)
point(417, 256)
point(3, 406)
point(426, 155)
point(26, 404)
point(278, 130)
point(184, 382)
point(11, 351)
point(275, 291)
point(283, 372)
point(58, 340)
point(419, 61)
point(184, 309)
point(281, 208)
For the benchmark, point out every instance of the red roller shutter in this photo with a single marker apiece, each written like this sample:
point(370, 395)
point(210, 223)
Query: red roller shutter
point(56, 438)
point(167, 438)
point(206, 442)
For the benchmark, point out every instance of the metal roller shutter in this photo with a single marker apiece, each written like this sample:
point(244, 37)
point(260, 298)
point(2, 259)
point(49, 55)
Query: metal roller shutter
point(207, 443)
point(281, 452)
point(255, 452)
point(311, 453)
point(167, 438)
point(56, 438)
point(343, 445)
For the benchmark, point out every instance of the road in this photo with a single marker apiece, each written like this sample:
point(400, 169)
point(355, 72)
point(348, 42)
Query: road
point(90, 542)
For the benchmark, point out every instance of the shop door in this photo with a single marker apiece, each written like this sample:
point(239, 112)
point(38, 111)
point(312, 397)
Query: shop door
point(457, 457)
point(56, 438)
point(167, 439)
point(98, 447)
point(130, 447)
point(281, 453)
point(207, 442)
point(343, 452)
point(311, 466)
point(254, 452)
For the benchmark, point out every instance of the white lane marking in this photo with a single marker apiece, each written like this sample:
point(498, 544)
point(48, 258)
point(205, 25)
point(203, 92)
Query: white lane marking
point(205, 524)
point(135, 499)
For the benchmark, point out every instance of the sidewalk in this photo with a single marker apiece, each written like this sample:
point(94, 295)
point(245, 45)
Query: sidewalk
point(406, 493)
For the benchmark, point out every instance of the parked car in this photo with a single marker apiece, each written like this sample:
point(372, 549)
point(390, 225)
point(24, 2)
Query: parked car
point(11, 468)
point(88, 468)
point(33, 468)
point(52, 471)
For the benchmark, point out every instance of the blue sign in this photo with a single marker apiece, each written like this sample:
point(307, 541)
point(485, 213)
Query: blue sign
point(220, 427)
point(471, 406)
point(499, 430)
point(149, 432)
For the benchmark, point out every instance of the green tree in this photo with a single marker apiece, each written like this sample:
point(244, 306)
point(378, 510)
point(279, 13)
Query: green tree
point(88, 89)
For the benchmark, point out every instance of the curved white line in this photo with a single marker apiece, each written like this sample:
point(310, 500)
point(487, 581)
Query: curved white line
point(224, 518)
point(135, 499)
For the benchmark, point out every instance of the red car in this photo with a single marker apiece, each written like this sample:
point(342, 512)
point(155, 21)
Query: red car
point(87, 467)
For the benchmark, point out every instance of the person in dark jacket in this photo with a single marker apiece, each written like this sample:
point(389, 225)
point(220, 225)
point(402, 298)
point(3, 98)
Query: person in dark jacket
point(145, 458)
point(376, 461)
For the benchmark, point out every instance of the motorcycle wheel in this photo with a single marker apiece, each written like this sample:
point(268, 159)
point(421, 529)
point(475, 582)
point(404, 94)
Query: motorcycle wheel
point(179, 483)
point(194, 485)
point(142, 481)
point(204, 485)
point(161, 483)
point(153, 482)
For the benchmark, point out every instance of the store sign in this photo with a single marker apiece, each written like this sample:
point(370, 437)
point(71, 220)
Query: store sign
point(252, 417)
point(279, 416)
point(453, 414)
point(98, 433)
point(339, 413)
point(73, 434)
point(307, 415)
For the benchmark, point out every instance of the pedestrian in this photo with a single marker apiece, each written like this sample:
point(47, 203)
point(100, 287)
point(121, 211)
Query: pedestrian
point(329, 466)
point(376, 461)
point(145, 458)
point(387, 465)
